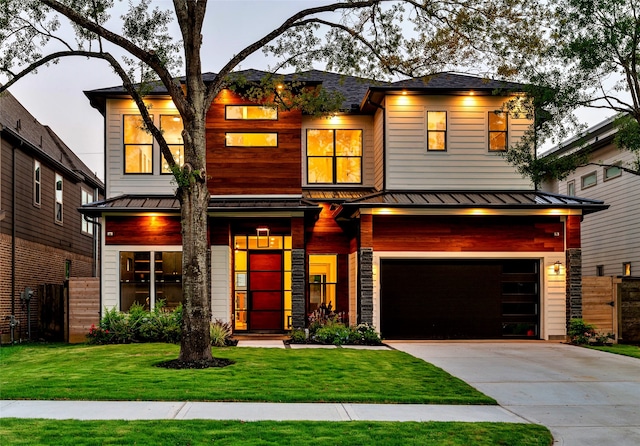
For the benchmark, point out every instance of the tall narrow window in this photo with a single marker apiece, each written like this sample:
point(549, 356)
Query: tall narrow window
point(334, 156)
point(87, 197)
point(626, 269)
point(138, 146)
point(323, 279)
point(437, 130)
point(37, 172)
point(571, 188)
point(171, 127)
point(59, 195)
point(497, 132)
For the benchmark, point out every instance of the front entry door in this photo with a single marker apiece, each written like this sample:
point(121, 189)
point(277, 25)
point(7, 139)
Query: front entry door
point(265, 291)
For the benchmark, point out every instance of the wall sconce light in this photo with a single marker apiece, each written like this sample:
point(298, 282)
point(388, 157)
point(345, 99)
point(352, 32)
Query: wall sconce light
point(556, 267)
point(263, 237)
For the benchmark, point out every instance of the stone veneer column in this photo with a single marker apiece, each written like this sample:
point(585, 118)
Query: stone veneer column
point(366, 285)
point(298, 276)
point(574, 283)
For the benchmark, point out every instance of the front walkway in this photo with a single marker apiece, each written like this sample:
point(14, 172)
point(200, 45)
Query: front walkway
point(585, 397)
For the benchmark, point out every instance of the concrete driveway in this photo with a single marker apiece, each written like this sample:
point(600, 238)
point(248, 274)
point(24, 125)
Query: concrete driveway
point(585, 397)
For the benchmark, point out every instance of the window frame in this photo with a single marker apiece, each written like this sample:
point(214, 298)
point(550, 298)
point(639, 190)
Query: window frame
point(334, 158)
point(247, 106)
point(505, 132)
point(171, 146)
point(606, 169)
point(37, 183)
point(571, 188)
point(226, 141)
point(446, 126)
point(58, 198)
point(86, 228)
point(125, 145)
point(585, 176)
point(626, 269)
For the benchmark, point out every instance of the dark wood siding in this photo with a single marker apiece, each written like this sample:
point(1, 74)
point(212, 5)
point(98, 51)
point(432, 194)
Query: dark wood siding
point(573, 231)
point(326, 236)
point(160, 230)
point(470, 234)
point(237, 170)
point(37, 223)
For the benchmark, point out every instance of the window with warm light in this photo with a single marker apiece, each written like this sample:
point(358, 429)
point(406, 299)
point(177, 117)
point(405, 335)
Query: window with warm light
point(250, 112)
point(497, 132)
point(626, 269)
point(138, 146)
point(436, 130)
point(334, 156)
point(59, 198)
point(171, 127)
point(251, 139)
point(323, 279)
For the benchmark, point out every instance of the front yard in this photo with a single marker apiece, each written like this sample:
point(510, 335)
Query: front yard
point(128, 372)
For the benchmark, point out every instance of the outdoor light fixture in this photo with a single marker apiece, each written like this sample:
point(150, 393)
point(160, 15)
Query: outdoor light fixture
point(556, 267)
point(263, 237)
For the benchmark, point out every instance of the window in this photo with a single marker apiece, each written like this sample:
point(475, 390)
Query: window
point(59, 194)
point(599, 270)
point(251, 139)
point(334, 156)
point(571, 188)
point(626, 269)
point(138, 146)
point(143, 285)
point(171, 127)
point(612, 172)
point(87, 197)
point(37, 172)
point(591, 179)
point(437, 130)
point(250, 112)
point(497, 132)
point(323, 275)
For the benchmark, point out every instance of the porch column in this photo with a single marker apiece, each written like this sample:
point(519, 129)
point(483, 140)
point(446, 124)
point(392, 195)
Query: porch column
point(574, 284)
point(366, 285)
point(298, 277)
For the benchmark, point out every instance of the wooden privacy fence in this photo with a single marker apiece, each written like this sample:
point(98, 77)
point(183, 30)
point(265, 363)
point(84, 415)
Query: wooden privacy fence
point(84, 307)
point(612, 304)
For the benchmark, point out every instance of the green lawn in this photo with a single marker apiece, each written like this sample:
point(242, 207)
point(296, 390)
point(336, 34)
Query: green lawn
point(620, 349)
point(301, 433)
point(128, 372)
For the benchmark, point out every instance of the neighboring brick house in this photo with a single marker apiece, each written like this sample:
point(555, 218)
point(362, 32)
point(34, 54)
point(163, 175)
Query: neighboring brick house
point(398, 211)
point(43, 237)
point(610, 239)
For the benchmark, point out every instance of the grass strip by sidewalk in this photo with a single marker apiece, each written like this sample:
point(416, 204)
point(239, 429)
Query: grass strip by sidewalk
point(620, 349)
point(299, 433)
point(127, 372)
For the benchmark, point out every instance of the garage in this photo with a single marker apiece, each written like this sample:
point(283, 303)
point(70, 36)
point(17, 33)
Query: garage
point(459, 299)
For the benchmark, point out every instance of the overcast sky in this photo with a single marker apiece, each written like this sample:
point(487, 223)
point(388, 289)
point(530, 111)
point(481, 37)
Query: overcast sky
point(54, 96)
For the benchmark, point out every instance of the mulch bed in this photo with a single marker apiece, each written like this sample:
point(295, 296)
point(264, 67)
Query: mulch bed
point(204, 364)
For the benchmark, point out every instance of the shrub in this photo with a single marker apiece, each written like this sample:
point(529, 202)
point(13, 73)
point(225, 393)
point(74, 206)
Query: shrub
point(138, 325)
point(220, 333)
point(581, 333)
point(333, 333)
point(298, 336)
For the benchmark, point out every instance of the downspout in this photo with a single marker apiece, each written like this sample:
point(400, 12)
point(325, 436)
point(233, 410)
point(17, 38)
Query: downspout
point(13, 242)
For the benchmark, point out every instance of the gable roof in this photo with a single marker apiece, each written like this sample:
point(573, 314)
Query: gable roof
point(17, 124)
point(357, 91)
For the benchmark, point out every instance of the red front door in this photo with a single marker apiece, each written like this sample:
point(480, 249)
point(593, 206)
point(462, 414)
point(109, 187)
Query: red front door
point(265, 291)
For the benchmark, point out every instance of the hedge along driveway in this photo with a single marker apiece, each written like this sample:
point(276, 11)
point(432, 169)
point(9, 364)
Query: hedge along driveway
point(128, 372)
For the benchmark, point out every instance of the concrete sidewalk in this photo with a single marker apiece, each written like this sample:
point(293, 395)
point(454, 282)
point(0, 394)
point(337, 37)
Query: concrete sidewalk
point(176, 410)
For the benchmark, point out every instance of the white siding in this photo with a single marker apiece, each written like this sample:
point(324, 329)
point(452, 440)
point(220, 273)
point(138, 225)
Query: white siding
point(552, 285)
point(350, 123)
point(466, 164)
point(612, 236)
point(221, 282)
point(117, 183)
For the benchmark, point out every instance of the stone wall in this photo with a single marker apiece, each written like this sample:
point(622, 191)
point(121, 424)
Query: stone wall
point(574, 283)
point(366, 285)
point(629, 298)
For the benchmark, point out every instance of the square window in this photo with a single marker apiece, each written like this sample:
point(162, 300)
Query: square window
point(334, 156)
point(612, 172)
point(589, 180)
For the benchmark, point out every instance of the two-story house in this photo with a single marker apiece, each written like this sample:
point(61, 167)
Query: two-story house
point(398, 211)
point(610, 239)
point(43, 237)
